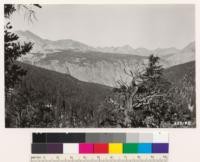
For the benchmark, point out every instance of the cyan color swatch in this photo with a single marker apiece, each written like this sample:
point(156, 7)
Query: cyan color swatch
point(144, 148)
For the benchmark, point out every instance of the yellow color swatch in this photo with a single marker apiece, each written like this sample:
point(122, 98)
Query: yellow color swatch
point(115, 148)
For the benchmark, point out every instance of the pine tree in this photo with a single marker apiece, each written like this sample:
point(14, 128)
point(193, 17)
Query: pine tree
point(143, 102)
point(13, 50)
point(152, 93)
point(16, 105)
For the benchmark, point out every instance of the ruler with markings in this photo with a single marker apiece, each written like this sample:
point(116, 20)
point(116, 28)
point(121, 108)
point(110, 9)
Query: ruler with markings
point(100, 158)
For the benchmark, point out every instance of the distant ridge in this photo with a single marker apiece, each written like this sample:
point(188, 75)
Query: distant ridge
point(49, 46)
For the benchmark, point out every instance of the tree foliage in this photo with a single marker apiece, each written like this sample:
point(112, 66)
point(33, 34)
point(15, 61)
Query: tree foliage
point(150, 100)
point(13, 50)
point(50, 99)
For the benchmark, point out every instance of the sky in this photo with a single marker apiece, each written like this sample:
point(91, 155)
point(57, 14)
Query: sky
point(148, 26)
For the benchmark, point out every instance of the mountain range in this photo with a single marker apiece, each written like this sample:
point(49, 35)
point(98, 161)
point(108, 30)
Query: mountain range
point(48, 46)
point(103, 65)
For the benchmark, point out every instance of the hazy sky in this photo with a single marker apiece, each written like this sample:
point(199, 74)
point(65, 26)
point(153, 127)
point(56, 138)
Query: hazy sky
point(149, 26)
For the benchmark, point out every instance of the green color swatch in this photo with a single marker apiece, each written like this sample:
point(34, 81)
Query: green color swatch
point(130, 148)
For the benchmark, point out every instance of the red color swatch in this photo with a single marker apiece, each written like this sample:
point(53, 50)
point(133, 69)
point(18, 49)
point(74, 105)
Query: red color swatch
point(101, 148)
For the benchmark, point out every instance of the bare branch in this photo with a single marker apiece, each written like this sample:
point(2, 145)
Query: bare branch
point(37, 5)
point(29, 11)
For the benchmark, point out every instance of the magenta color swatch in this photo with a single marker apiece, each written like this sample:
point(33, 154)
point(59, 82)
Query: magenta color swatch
point(85, 148)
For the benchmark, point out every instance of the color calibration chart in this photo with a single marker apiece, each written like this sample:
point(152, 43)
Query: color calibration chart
point(105, 147)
